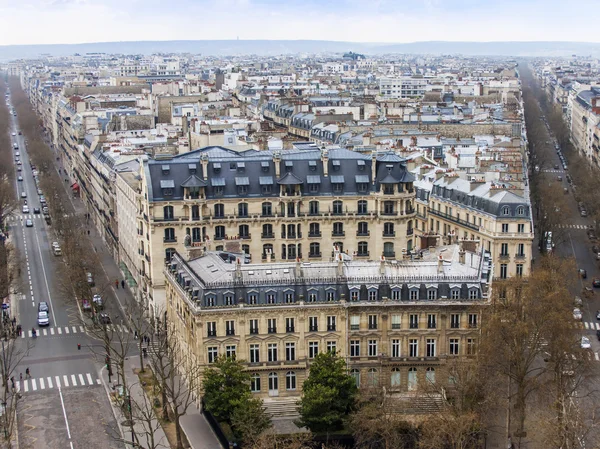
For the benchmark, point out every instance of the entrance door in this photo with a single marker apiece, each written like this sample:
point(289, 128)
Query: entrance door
point(273, 384)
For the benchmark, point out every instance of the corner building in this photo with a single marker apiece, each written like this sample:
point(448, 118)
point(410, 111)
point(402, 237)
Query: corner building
point(394, 321)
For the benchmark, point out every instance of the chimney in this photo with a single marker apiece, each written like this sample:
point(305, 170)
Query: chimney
point(325, 161)
point(277, 163)
point(382, 266)
point(204, 162)
point(374, 166)
point(238, 269)
point(268, 256)
point(298, 268)
point(461, 253)
point(340, 265)
point(440, 264)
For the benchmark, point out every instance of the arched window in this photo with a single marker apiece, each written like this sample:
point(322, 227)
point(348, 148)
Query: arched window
point(314, 250)
point(356, 374)
point(430, 375)
point(267, 249)
point(290, 380)
point(169, 253)
point(196, 234)
point(363, 248)
point(372, 377)
point(219, 232)
point(520, 210)
point(506, 210)
point(267, 209)
point(219, 210)
point(412, 379)
point(170, 235)
point(273, 383)
point(395, 378)
point(338, 207)
point(255, 383)
point(243, 209)
point(168, 212)
point(314, 230)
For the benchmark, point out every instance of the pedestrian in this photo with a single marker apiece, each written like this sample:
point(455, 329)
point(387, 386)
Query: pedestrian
point(27, 374)
point(135, 335)
point(117, 284)
point(20, 377)
point(12, 381)
point(123, 284)
point(88, 232)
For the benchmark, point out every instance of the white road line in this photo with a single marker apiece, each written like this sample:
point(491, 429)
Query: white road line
point(30, 334)
point(57, 379)
point(50, 382)
point(98, 381)
point(74, 329)
point(59, 330)
point(81, 329)
point(73, 380)
point(45, 331)
point(45, 276)
point(66, 380)
point(81, 380)
point(33, 385)
point(52, 331)
point(62, 402)
point(42, 384)
point(25, 386)
point(89, 378)
point(587, 326)
point(596, 356)
point(66, 329)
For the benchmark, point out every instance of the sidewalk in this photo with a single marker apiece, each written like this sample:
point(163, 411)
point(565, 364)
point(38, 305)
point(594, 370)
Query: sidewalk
point(194, 425)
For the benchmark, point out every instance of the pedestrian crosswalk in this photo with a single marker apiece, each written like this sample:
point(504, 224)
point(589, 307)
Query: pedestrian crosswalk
point(553, 171)
point(69, 330)
point(56, 382)
point(23, 217)
point(570, 226)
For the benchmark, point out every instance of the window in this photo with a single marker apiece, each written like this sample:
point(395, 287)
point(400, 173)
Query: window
point(455, 321)
point(372, 377)
point(430, 375)
point(230, 351)
point(254, 353)
point(372, 348)
point(331, 295)
point(519, 270)
point(273, 382)
point(272, 352)
point(272, 325)
point(413, 321)
point(363, 249)
point(354, 322)
point(313, 324)
point(211, 329)
point(356, 375)
point(230, 327)
point(372, 295)
point(395, 378)
point(414, 294)
point(504, 227)
point(473, 293)
point(314, 250)
point(332, 347)
point(454, 346)
point(289, 298)
point(504, 249)
point(290, 380)
point(430, 347)
point(363, 207)
point(255, 383)
point(290, 351)
point(331, 323)
point(431, 321)
point(396, 294)
point(455, 293)
point(520, 228)
point(388, 208)
point(267, 209)
point(219, 232)
point(395, 347)
point(354, 348)
point(520, 210)
point(168, 212)
point(338, 229)
point(503, 271)
point(363, 228)
point(431, 294)
point(312, 297)
point(413, 347)
point(521, 249)
point(471, 346)
point(314, 230)
point(268, 249)
point(313, 208)
point(354, 295)
point(170, 235)
point(396, 319)
point(313, 349)
point(244, 231)
point(289, 325)
point(412, 379)
point(338, 207)
point(473, 320)
point(219, 210)
point(372, 321)
point(505, 210)
point(388, 230)
point(243, 209)
point(210, 301)
point(213, 353)
point(228, 300)
point(271, 298)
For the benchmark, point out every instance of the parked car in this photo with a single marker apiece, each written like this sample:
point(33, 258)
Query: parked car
point(583, 213)
point(585, 343)
point(43, 307)
point(598, 314)
point(578, 301)
point(555, 166)
point(596, 282)
point(97, 299)
point(583, 273)
point(23, 195)
point(20, 178)
point(86, 305)
point(591, 234)
point(577, 314)
point(90, 279)
point(104, 318)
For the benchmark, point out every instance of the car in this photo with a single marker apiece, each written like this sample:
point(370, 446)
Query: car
point(598, 335)
point(577, 314)
point(595, 249)
point(43, 307)
point(19, 163)
point(596, 282)
point(86, 305)
point(104, 318)
point(578, 301)
point(598, 314)
point(43, 319)
point(29, 223)
point(559, 178)
point(20, 178)
point(583, 213)
point(97, 299)
point(585, 343)
point(555, 166)
point(39, 192)
point(90, 279)
point(25, 209)
point(36, 210)
point(19, 169)
point(13, 134)
point(591, 234)
point(20, 133)
point(23, 195)
point(565, 167)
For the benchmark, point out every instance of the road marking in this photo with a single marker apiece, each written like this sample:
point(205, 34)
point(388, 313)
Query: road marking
point(66, 329)
point(52, 331)
point(33, 385)
point(81, 329)
point(98, 381)
point(73, 380)
point(30, 334)
point(587, 326)
point(25, 386)
point(42, 384)
point(89, 378)
point(45, 331)
point(81, 380)
point(66, 380)
point(50, 382)
point(45, 276)
point(59, 331)
point(596, 356)
point(62, 402)
point(57, 379)
point(74, 329)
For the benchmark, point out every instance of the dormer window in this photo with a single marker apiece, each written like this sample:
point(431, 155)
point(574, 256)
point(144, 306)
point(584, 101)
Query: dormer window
point(336, 165)
point(242, 183)
point(361, 165)
point(289, 165)
point(506, 210)
point(241, 167)
point(167, 186)
point(192, 168)
point(264, 166)
point(165, 169)
point(312, 165)
point(217, 167)
point(337, 183)
point(520, 210)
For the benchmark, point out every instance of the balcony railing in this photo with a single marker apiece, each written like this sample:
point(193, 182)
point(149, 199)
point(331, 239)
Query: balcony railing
point(338, 234)
point(268, 235)
point(389, 234)
point(314, 255)
point(170, 239)
point(314, 234)
point(454, 219)
point(363, 233)
point(390, 254)
point(410, 231)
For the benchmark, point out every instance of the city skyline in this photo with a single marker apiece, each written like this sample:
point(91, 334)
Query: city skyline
point(382, 21)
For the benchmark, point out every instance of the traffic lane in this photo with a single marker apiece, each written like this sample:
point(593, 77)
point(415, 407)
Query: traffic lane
point(41, 421)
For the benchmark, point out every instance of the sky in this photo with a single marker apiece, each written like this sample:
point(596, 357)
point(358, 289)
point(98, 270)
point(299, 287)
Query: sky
point(393, 21)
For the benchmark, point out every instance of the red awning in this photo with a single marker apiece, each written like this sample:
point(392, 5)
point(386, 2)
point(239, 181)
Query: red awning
point(75, 186)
